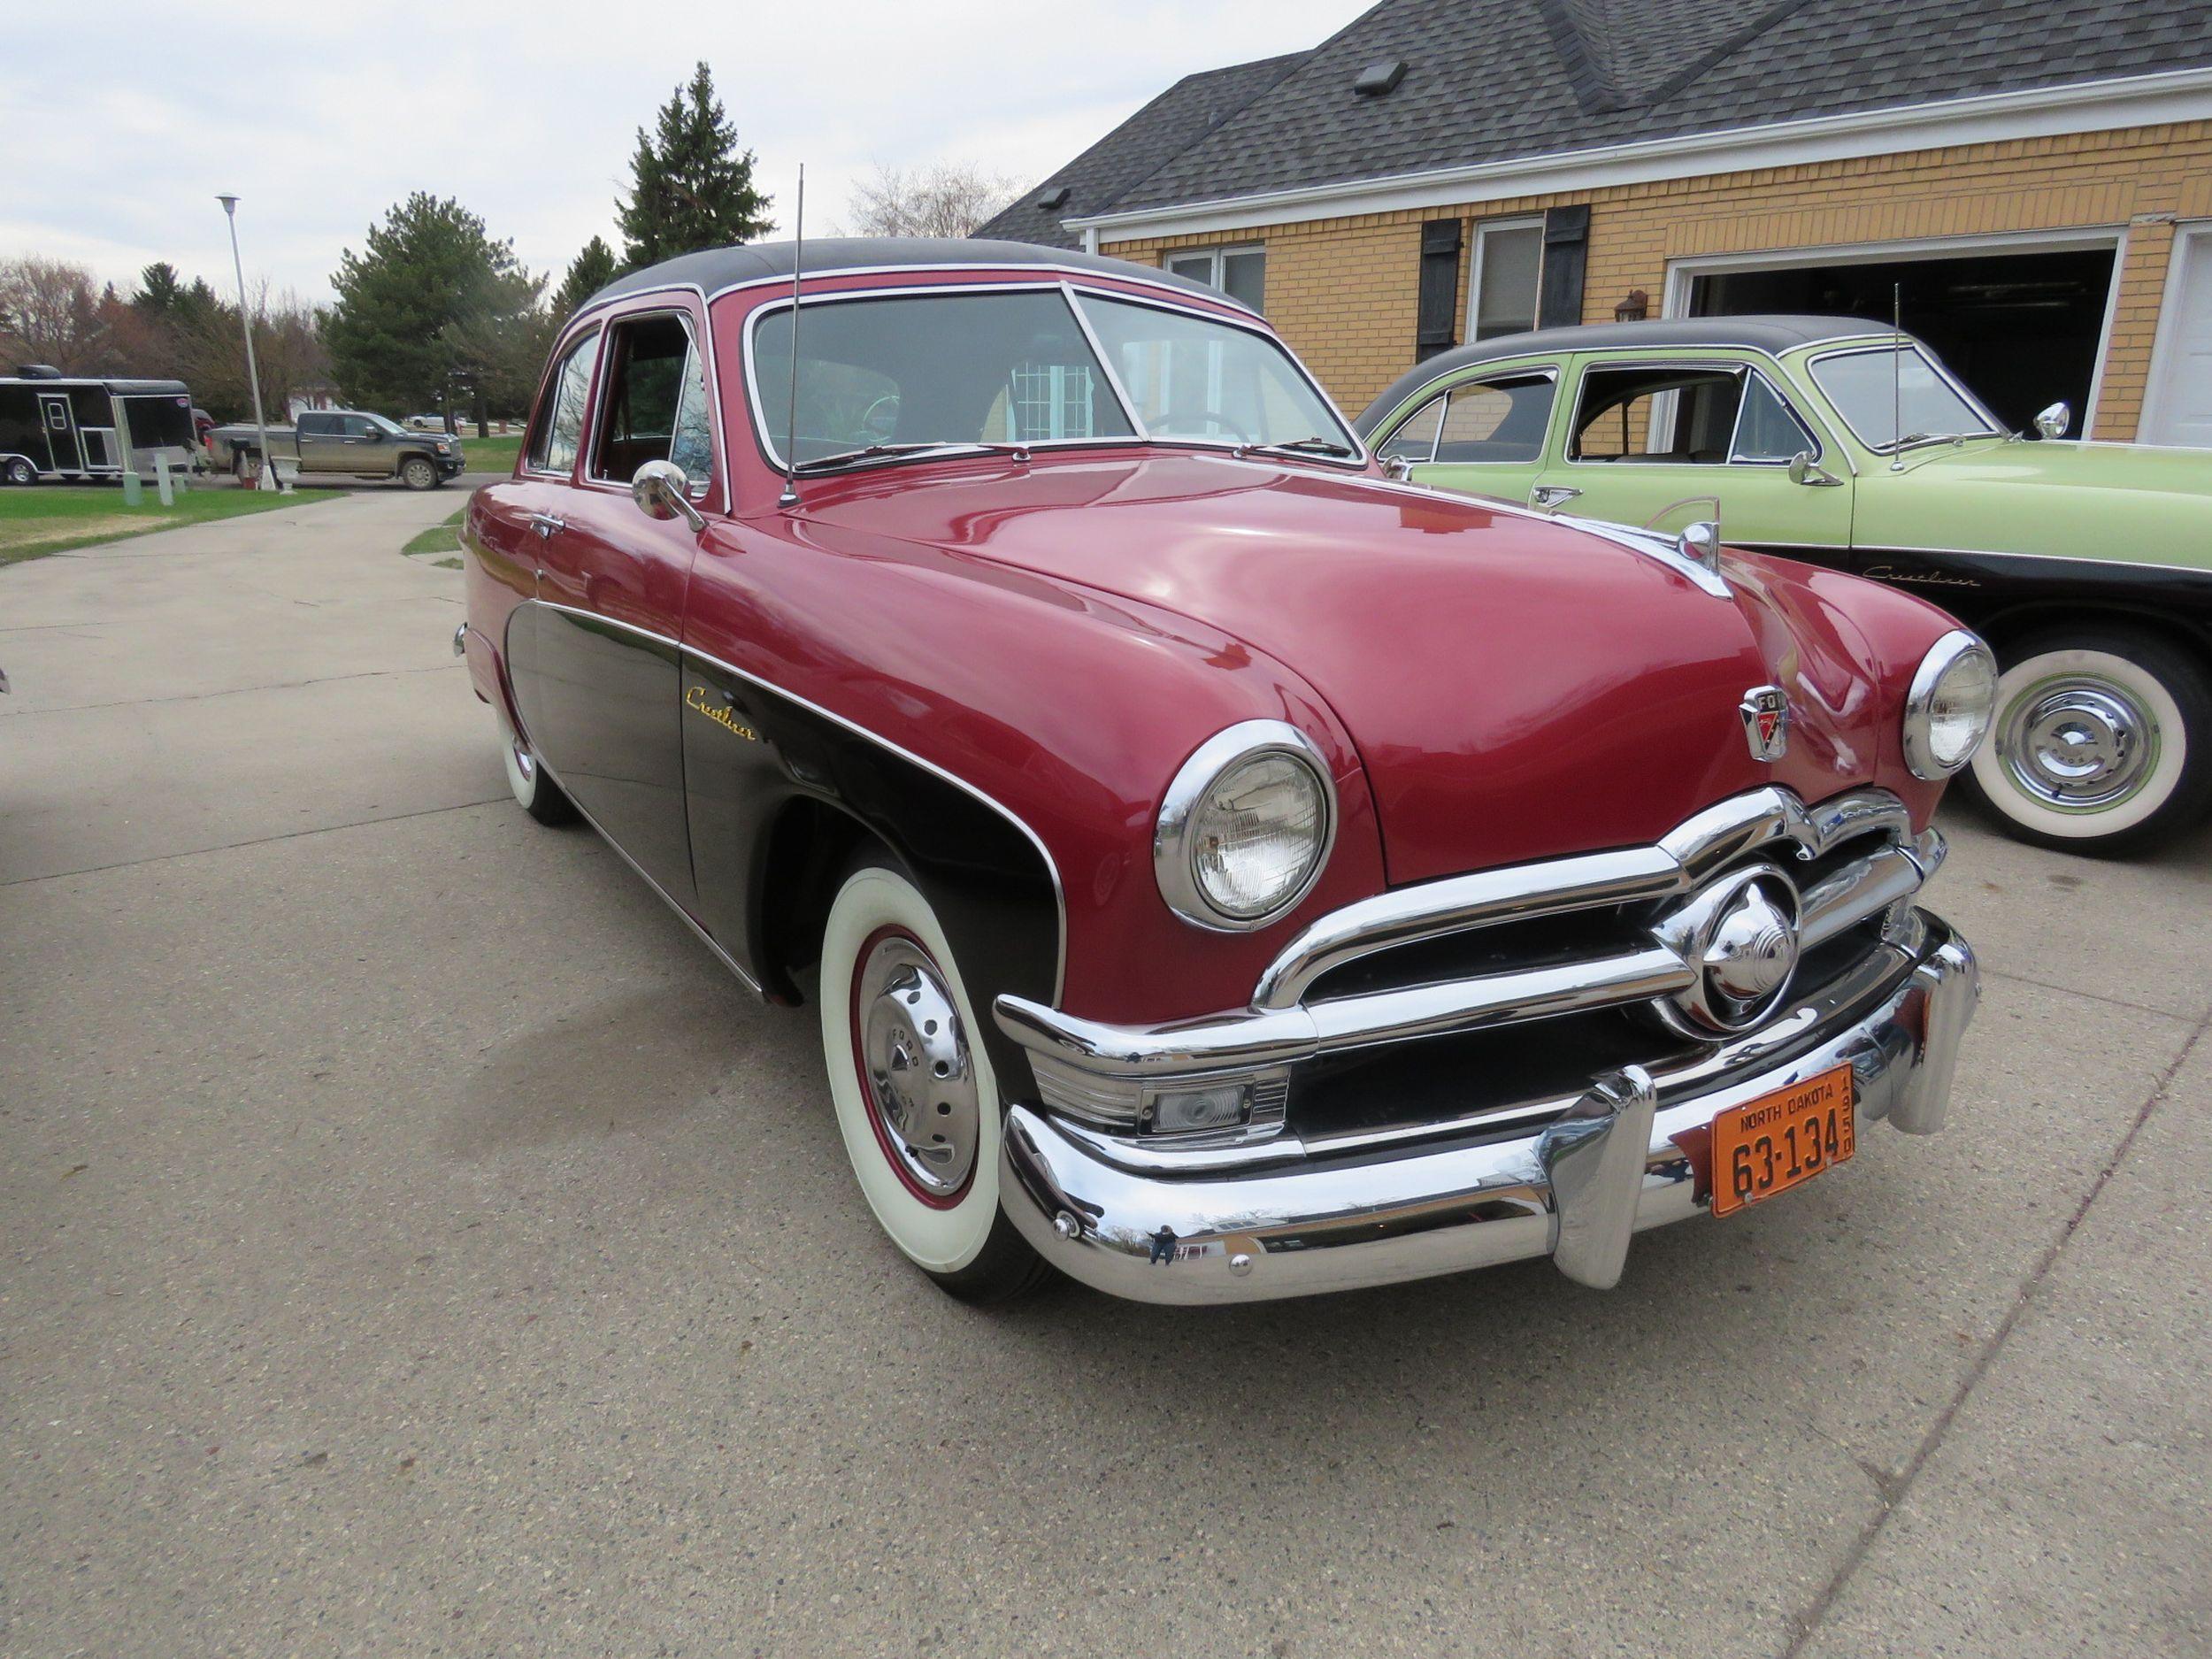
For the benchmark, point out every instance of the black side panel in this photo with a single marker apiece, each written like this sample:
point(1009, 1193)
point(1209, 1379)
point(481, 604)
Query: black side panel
point(600, 706)
point(2000, 592)
point(758, 764)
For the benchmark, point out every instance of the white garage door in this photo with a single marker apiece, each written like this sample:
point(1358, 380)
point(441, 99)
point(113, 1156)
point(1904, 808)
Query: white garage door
point(2179, 409)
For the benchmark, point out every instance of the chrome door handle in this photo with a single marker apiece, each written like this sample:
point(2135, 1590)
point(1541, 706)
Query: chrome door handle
point(1552, 494)
point(545, 524)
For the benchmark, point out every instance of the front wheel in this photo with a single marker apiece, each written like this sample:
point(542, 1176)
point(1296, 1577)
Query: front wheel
point(417, 473)
point(916, 1103)
point(2102, 742)
point(21, 472)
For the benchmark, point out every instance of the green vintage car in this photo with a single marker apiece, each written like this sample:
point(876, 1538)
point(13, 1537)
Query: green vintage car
point(2088, 566)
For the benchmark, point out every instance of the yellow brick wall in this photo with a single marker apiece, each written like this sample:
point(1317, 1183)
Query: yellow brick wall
point(1342, 290)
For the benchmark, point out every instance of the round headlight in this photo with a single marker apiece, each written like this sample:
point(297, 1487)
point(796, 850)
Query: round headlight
point(1949, 709)
point(1245, 827)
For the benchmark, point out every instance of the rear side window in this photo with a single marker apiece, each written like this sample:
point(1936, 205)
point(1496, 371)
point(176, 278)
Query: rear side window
point(1415, 439)
point(1497, 420)
point(558, 432)
point(655, 408)
point(1681, 416)
point(314, 425)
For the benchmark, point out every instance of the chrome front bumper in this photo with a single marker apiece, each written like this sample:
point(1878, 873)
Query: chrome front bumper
point(1623, 1156)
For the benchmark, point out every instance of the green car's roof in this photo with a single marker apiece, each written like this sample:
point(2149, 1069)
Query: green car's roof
point(1772, 335)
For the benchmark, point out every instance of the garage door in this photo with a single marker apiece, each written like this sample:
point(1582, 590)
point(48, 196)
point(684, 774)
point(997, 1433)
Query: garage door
point(2179, 409)
point(2020, 328)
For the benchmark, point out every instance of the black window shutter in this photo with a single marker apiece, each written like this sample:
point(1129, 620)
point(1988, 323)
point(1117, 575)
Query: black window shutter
point(1566, 253)
point(1437, 328)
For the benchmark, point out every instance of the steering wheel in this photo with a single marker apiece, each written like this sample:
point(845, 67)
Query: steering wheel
point(881, 419)
point(1214, 416)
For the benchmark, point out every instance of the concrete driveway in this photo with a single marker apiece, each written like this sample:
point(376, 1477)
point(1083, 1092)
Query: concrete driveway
point(415, 1244)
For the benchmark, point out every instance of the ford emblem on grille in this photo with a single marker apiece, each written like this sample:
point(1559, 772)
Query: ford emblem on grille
point(1766, 722)
point(1739, 935)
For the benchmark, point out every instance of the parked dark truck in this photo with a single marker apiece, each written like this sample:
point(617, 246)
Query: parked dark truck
point(343, 441)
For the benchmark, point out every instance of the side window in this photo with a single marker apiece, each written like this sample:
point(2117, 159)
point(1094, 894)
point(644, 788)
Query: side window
point(655, 404)
point(356, 426)
point(310, 425)
point(1667, 414)
point(559, 429)
point(1415, 437)
point(1766, 428)
point(1497, 420)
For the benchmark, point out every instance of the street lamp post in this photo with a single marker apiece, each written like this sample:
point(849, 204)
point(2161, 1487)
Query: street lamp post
point(268, 480)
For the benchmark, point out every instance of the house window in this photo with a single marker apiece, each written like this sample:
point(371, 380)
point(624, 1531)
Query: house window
point(1508, 261)
point(1240, 273)
point(1051, 400)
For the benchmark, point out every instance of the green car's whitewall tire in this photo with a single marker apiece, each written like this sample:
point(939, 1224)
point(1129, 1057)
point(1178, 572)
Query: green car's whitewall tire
point(917, 1103)
point(2102, 742)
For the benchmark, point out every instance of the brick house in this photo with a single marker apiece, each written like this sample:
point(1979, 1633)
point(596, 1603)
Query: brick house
point(2034, 180)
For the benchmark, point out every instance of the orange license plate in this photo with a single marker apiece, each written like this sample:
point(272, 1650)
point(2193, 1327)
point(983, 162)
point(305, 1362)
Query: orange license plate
point(1769, 1145)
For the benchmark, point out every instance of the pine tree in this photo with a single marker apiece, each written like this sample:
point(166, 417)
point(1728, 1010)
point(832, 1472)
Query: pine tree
point(432, 296)
point(159, 288)
point(691, 184)
point(593, 270)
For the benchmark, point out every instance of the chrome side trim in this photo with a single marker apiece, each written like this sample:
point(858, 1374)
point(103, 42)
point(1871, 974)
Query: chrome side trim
point(1059, 892)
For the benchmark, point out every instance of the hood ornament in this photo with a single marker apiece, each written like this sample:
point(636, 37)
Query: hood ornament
point(1766, 722)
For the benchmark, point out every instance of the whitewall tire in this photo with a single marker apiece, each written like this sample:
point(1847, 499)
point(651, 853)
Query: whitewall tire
point(918, 1105)
point(2102, 742)
point(534, 791)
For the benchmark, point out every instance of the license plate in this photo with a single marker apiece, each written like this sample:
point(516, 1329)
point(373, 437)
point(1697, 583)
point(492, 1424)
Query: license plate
point(1769, 1145)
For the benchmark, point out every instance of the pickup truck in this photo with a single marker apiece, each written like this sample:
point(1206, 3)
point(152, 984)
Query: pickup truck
point(343, 441)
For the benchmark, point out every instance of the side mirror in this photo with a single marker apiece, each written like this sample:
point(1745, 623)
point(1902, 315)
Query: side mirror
point(661, 491)
point(2055, 421)
point(1804, 470)
point(1699, 543)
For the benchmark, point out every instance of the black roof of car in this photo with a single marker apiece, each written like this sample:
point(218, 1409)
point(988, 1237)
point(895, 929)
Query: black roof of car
point(1770, 334)
point(711, 270)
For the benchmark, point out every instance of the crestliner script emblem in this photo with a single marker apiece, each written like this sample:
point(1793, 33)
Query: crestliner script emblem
point(1766, 722)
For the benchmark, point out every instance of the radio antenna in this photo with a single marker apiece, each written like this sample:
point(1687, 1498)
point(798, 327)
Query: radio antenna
point(790, 497)
point(1896, 375)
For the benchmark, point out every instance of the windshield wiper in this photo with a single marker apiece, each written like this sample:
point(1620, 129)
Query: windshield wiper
point(885, 451)
point(1301, 446)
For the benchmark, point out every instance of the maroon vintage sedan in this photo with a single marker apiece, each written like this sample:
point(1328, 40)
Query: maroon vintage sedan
point(1225, 870)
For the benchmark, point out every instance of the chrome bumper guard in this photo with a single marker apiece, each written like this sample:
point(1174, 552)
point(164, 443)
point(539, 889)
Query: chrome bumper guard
point(1611, 1162)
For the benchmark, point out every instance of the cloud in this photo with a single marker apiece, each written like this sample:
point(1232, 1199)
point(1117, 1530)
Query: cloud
point(528, 114)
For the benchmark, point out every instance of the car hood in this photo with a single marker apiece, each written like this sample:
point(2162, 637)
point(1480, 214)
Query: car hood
point(1517, 687)
point(2069, 465)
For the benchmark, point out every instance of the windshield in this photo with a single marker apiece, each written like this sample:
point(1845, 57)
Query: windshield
point(890, 376)
point(1885, 390)
point(1192, 378)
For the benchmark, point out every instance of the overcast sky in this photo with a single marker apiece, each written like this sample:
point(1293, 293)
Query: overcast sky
point(124, 119)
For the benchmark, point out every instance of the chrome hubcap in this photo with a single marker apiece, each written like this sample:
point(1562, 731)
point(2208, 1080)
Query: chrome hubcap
point(2077, 744)
point(921, 1082)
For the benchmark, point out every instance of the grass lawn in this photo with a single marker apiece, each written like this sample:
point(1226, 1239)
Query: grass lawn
point(440, 538)
point(52, 518)
point(490, 455)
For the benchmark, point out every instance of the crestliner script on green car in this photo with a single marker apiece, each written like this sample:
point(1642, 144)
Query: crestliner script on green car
point(2086, 566)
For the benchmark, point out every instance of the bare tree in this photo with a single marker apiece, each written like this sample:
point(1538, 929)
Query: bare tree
point(210, 352)
point(50, 312)
point(949, 199)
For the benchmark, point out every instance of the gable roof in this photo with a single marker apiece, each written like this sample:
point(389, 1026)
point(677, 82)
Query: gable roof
point(1140, 146)
point(1491, 81)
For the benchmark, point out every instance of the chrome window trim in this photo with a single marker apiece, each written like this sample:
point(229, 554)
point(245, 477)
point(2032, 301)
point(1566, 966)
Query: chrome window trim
point(597, 335)
point(1885, 342)
point(1541, 372)
point(1735, 435)
point(1941, 656)
point(1059, 891)
point(1171, 851)
point(714, 377)
point(1068, 290)
point(587, 474)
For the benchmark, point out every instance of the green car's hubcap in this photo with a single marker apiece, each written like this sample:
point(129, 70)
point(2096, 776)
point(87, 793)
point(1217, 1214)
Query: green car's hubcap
point(2077, 744)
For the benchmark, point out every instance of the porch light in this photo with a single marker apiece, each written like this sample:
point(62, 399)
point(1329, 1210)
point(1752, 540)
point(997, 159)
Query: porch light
point(1634, 309)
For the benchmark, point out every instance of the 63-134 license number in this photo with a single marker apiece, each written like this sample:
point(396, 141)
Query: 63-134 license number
point(1769, 1145)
